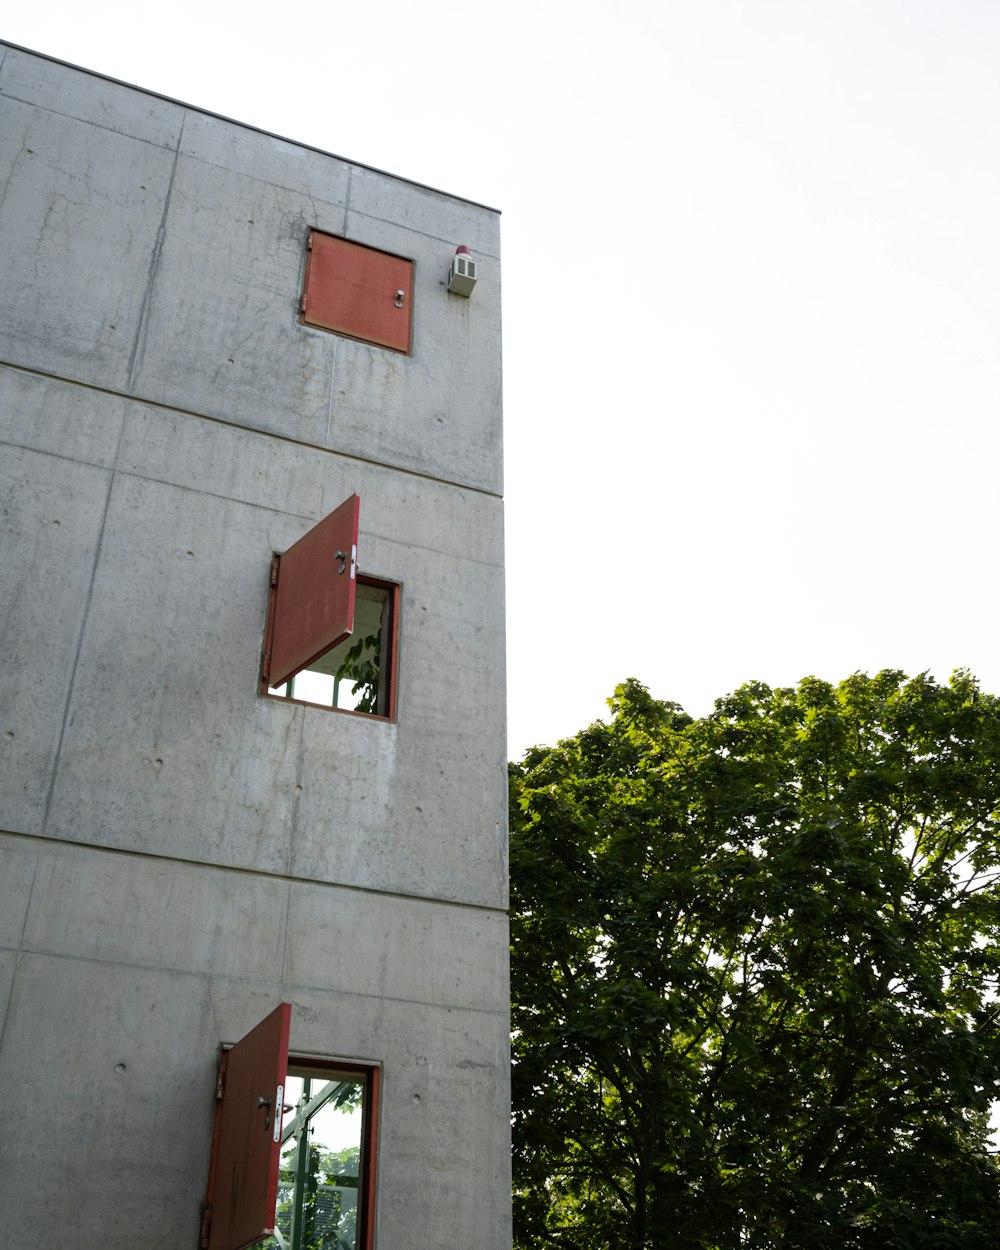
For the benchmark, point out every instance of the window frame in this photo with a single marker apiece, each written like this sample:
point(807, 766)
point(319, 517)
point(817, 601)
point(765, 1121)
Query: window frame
point(395, 592)
point(322, 1066)
point(243, 1173)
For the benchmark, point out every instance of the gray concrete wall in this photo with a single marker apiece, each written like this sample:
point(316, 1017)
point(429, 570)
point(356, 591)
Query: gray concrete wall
point(177, 853)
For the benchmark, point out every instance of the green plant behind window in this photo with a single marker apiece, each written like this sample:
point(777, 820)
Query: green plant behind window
point(362, 666)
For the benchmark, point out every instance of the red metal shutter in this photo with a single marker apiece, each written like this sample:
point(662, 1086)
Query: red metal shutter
point(244, 1171)
point(358, 291)
point(314, 604)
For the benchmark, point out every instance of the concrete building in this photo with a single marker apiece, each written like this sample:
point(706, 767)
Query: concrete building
point(212, 339)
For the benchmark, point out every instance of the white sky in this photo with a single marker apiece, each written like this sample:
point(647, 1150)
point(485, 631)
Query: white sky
point(751, 304)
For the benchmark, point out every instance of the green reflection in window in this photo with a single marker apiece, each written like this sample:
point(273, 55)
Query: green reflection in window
point(321, 1146)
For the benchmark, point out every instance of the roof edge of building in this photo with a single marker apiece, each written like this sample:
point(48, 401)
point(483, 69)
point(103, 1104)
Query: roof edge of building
point(309, 147)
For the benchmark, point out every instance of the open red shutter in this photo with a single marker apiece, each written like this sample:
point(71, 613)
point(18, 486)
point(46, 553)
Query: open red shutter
point(244, 1171)
point(314, 604)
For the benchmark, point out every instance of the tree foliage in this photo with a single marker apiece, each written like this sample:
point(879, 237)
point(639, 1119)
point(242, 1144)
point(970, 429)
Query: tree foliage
point(754, 972)
point(361, 665)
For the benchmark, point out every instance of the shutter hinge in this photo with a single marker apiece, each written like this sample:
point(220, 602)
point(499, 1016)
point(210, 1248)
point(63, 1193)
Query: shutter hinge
point(220, 1075)
point(265, 664)
point(206, 1227)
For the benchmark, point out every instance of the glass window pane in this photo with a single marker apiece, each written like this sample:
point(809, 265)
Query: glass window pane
point(320, 1162)
point(355, 673)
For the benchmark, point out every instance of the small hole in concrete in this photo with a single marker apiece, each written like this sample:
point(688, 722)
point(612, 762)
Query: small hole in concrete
point(9, 733)
point(120, 1068)
point(416, 1098)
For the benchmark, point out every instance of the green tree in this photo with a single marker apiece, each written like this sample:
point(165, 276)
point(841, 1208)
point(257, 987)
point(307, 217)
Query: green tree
point(361, 665)
point(754, 972)
point(329, 1210)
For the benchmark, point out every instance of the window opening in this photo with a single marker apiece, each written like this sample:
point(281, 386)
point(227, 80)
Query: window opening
point(332, 634)
point(355, 675)
point(326, 1166)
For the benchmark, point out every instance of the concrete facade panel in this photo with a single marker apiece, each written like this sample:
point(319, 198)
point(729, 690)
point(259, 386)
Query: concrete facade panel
point(18, 862)
point(395, 948)
point(348, 827)
point(156, 913)
point(222, 460)
point(70, 421)
point(68, 180)
point(86, 97)
point(8, 966)
point(51, 520)
point(426, 211)
point(223, 336)
point(274, 161)
point(396, 789)
point(190, 758)
point(128, 1101)
point(307, 483)
point(418, 514)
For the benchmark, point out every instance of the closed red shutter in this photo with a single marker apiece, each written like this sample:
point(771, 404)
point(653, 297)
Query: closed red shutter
point(358, 291)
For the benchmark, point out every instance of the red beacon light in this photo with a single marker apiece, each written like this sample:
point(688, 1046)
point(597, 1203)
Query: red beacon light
point(462, 276)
